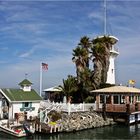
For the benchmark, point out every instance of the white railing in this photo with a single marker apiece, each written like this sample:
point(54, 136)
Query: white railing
point(67, 107)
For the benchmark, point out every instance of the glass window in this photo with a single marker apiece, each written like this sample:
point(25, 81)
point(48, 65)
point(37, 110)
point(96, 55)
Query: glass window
point(138, 98)
point(101, 99)
point(131, 99)
point(108, 99)
point(26, 104)
point(116, 99)
point(122, 97)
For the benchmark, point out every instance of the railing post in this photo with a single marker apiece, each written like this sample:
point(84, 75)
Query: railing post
point(104, 111)
point(136, 107)
point(128, 108)
point(83, 106)
point(69, 108)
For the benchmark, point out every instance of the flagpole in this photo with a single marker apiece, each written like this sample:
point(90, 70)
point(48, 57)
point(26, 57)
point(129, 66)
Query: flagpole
point(40, 78)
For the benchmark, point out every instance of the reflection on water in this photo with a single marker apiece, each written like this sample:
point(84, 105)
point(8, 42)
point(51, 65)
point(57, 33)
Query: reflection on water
point(108, 132)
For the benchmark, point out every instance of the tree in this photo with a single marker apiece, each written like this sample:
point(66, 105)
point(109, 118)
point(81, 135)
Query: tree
point(101, 54)
point(69, 86)
point(79, 56)
point(85, 43)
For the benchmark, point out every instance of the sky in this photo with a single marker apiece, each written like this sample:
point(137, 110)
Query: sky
point(36, 31)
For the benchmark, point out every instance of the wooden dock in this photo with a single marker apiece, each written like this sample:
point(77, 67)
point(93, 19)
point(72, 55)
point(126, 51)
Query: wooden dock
point(125, 113)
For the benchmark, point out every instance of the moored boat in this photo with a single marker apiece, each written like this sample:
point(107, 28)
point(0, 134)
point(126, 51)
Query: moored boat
point(17, 130)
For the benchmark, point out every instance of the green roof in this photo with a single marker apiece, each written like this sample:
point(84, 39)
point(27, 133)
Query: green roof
point(25, 82)
point(20, 95)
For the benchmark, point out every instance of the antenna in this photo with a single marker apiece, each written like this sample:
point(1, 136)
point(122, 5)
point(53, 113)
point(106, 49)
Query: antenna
point(105, 16)
point(26, 74)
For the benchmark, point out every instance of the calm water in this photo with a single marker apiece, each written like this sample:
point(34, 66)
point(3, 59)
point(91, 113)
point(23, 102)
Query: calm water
point(109, 132)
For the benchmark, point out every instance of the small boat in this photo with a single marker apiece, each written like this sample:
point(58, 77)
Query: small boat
point(17, 130)
point(28, 130)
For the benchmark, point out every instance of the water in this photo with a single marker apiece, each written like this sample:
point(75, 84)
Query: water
point(109, 132)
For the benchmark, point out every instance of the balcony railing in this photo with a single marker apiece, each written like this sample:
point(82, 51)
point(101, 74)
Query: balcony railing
point(130, 108)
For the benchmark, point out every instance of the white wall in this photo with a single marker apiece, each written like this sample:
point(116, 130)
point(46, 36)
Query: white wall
point(16, 109)
point(111, 70)
point(27, 88)
point(35, 112)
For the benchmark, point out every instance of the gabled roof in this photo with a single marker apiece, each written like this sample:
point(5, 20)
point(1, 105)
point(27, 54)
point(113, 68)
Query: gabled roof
point(53, 89)
point(20, 95)
point(25, 82)
point(117, 89)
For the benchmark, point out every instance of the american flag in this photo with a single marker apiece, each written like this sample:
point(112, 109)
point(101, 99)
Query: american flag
point(44, 66)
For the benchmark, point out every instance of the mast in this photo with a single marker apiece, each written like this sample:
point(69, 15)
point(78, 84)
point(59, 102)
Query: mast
point(105, 16)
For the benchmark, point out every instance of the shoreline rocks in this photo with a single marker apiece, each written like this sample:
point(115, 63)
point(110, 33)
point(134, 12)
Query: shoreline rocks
point(83, 120)
point(76, 121)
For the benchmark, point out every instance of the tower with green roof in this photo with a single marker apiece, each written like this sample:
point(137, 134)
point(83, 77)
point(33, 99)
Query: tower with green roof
point(25, 85)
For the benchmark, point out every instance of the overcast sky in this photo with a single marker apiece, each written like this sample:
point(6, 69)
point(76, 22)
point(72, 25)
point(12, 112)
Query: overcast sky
point(38, 31)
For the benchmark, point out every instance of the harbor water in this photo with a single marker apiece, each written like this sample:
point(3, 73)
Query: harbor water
point(109, 132)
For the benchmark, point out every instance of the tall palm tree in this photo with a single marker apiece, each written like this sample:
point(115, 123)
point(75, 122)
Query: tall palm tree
point(79, 57)
point(101, 53)
point(85, 43)
point(96, 52)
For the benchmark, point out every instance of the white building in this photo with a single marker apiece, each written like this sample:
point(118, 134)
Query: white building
point(19, 101)
point(113, 54)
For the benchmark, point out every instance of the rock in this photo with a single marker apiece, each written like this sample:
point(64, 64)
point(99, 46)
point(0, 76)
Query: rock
point(83, 120)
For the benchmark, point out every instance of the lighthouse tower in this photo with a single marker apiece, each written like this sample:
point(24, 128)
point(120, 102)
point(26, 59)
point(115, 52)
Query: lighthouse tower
point(113, 54)
point(113, 51)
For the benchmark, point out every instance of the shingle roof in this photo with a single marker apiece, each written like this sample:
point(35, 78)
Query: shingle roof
point(117, 89)
point(20, 95)
point(25, 82)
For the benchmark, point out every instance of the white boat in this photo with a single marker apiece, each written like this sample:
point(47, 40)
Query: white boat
point(17, 130)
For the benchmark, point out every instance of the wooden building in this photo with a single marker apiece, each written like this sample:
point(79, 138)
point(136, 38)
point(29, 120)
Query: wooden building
point(53, 94)
point(119, 101)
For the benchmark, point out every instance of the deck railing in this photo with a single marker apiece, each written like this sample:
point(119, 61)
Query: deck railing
point(116, 108)
point(68, 107)
point(78, 107)
point(122, 107)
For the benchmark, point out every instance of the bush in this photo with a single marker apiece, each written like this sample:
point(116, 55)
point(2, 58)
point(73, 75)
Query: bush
point(55, 116)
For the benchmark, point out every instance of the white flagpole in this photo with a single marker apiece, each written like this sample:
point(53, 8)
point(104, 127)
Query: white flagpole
point(40, 78)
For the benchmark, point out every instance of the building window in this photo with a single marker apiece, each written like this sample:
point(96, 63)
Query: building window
point(26, 104)
point(116, 99)
point(112, 70)
point(108, 99)
point(122, 101)
point(138, 98)
point(131, 99)
point(101, 99)
point(119, 99)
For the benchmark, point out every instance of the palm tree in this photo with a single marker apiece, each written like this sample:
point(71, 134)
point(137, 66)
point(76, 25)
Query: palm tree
point(96, 51)
point(85, 43)
point(101, 53)
point(69, 86)
point(79, 57)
